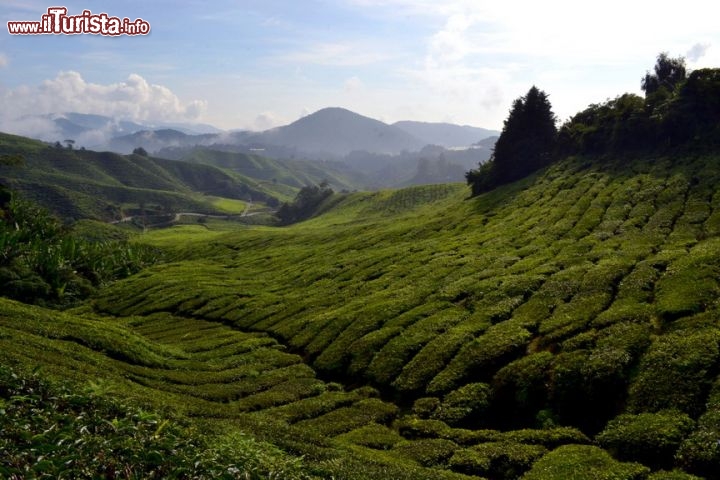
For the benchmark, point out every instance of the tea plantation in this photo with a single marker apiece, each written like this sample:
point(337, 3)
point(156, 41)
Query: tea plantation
point(562, 327)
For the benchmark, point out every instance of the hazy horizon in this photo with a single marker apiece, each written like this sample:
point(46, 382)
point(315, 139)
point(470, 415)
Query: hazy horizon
point(257, 65)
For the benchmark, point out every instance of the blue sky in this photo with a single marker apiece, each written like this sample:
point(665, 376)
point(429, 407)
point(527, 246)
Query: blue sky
point(257, 64)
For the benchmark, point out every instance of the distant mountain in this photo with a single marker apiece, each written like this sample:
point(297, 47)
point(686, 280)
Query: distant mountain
point(445, 134)
point(330, 133)
point(336, 132)
point(154, 140)
point(432, 164)
point(189, 128)
point(78, 123)
point(488, 142)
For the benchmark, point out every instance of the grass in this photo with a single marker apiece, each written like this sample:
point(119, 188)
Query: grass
point(535, 331)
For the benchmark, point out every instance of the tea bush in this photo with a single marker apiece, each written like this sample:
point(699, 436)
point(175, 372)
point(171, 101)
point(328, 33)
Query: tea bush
point(583, 462)
point(501, 460)
point(649, 438)
point(686, 360)
point(464, 406)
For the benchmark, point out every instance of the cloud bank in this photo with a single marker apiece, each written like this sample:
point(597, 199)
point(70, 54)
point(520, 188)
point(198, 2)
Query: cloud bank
point(134, 99)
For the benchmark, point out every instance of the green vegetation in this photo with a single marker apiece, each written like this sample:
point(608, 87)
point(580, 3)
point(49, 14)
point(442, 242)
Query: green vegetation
point(52, 431)
point(678, 111)
point(649, 438)
point(501, 460)
point(229, 205)
point(42, 262)
point(504, 319)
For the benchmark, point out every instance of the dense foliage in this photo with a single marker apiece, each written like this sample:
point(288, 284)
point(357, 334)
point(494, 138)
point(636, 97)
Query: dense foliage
point(544, 310)
point(668, 74)
point(678, 110)
point(42, 261)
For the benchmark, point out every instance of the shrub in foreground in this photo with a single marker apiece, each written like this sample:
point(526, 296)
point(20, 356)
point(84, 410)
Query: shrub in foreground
point(52, 432)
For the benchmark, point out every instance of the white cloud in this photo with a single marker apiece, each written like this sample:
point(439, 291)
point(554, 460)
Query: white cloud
point(35, 127)
point(697, 51)
point(3, 60)
point(452, 42)
point(26, 108)
point(134, 99)
point(485, 53)
point(266, 121)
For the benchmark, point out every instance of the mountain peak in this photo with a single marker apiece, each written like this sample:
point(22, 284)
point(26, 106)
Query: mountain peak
point(337, 114)
point(337, 131)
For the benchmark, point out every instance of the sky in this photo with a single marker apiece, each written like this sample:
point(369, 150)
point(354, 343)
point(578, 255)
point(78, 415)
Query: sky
point(257, 64)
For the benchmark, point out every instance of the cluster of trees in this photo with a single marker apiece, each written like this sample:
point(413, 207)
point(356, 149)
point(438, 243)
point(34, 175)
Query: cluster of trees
point(306, 203)
point(678, 109)
point(140, 151)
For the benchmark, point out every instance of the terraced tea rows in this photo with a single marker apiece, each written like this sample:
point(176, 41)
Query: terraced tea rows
point(520, 332)
point(548, 299)
point(200, 369)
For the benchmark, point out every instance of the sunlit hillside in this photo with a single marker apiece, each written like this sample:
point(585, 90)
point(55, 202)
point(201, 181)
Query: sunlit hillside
point(564, 323)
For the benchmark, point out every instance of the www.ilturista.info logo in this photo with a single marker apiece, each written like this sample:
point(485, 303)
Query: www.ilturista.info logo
point(58, 22)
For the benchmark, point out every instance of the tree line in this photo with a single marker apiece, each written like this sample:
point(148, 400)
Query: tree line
point(679, 109)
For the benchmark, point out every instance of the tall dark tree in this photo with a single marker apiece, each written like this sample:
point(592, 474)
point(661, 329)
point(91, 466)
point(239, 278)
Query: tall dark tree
point(526, 143)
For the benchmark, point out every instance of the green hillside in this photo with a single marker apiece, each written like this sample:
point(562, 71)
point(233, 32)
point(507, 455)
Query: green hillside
point(563, 326)
point(78, 184)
